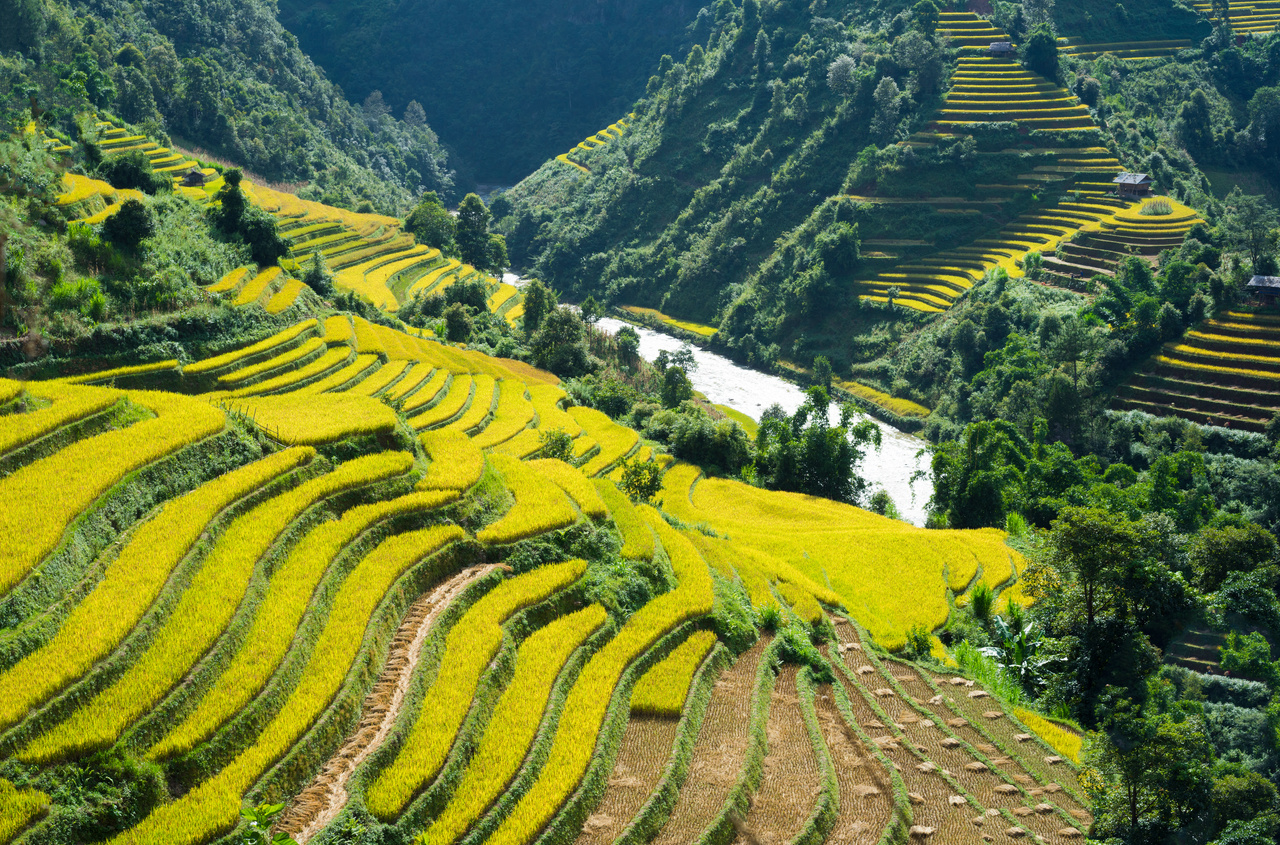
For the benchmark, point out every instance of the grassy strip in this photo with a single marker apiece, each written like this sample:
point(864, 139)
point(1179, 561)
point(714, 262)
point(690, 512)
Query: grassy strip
point(453, 403)
point(663, 689)
point(255, 287)
point(279, 615)
point(202, 614)
point(657, 808)
point(576, 485)
point(424, 391)
point(516, 718)
point(348, 375)
point(456, 462)
point(300, 377)
point(481, 404)
point(827, 810)
point(539, 507)
point(296, 356)
point(469, 648)
point(384, 377)
point(123, 372)
point(214, 806)
point(69, 481)
point(132, 583)
point(604, 679)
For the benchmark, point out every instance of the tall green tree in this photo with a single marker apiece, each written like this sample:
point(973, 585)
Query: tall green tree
point(805, 453)
point(472, 233)
point(431, 224)
point(1251, 223)
point(1040, 52)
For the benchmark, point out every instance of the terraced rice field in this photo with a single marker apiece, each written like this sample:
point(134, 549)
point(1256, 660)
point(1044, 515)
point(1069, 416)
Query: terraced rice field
point(1254, 16)
point(1100, 248)
point(341, 614)
point(612, 132)
point(1225, 372)
point(988, 90)
point(1131, 51)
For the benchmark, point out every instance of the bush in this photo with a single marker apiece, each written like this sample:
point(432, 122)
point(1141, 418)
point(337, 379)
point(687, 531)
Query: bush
point(133, 170)
point(130, 226)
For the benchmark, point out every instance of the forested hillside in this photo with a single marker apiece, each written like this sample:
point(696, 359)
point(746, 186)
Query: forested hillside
point(507, 85)
point(219, 76)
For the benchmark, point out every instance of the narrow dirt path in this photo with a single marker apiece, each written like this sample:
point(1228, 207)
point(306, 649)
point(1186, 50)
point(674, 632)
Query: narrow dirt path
point(323, 799)
point(792, 781)
point(646, 747)
point(719, 753)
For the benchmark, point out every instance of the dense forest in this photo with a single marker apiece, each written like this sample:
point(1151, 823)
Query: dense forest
point(532, 79)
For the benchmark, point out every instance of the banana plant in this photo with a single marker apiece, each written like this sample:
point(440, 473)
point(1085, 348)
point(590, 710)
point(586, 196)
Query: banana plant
point(1019, 647)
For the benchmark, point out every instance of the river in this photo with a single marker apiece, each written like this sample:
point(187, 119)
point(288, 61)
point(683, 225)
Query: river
point(751, 392)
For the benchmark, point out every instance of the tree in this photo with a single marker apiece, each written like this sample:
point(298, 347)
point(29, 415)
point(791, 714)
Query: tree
point(926, 16)
point(1216, 552)
point(592, 310)
point(24, 24)
point(1073, 346)
point(1040, 52)
point(838, 247)
point(1250, 223)
point(497, 260)
point(262, 233)
point(317, 276)
point(841, 74)
point(556, 443)
point(888, 104)
point(1194, 126)
point(415, 115)
point(431, 224)
point(676, 387)
point(130, 226)
point(472, 233)
point(805, 453)
point(458, 323)
point(976, 480)
point(641, 480)
point(559, 345)
point(538, 301)
point(231, 203)
point(1264, 117)
point(1092, 546)
point(822, 372)
point(628, 343)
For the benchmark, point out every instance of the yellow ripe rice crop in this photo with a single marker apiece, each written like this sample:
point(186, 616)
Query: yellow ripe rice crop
point(416, 375)
point(203, 612)
point(379, 380)
point(574, 745)
point(418, 255)
point(337, 329)
point(355, 277)
point(800, 601)
point(481, 404)
point(309, 347)
point(302, 419)
point(256, 286)
point(663, 689)
point(902, 407)
point(637, 539)
point(539, 507)
point(326, 362)
point(81, 188)
point(71, 403)
point(616, 442)
point(230, 281)
point(427, 393)
point(456, 461)
point(1201, 352)
point(513, 415)
point(350, 373)
point(428, 281)
point(471, 644)
point(129, 586)
point(1064, 741)
point(18, 808)
point(864, 557)
point(524, 444)
point(546, 401)
point(367, 337)
point(122, 372)
point(285, 297)
point(44, 497)
point(214, 805)
point(642, 455)
point(279, 615)
point(10, 390)
point(578, 487)
point(504, 294)
point(279, 339)
point(515, 721)
point(450, 406)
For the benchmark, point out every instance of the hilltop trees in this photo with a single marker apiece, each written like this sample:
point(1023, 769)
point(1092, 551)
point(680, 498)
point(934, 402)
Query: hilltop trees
point(805, 453)
point(431, 224)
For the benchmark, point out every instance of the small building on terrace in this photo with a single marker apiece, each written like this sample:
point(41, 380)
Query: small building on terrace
point(1001, 49)
point(1133, 185)
point(1265, 289)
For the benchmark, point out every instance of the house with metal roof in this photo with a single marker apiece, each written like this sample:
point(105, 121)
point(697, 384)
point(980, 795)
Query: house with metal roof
point(1133, 185)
